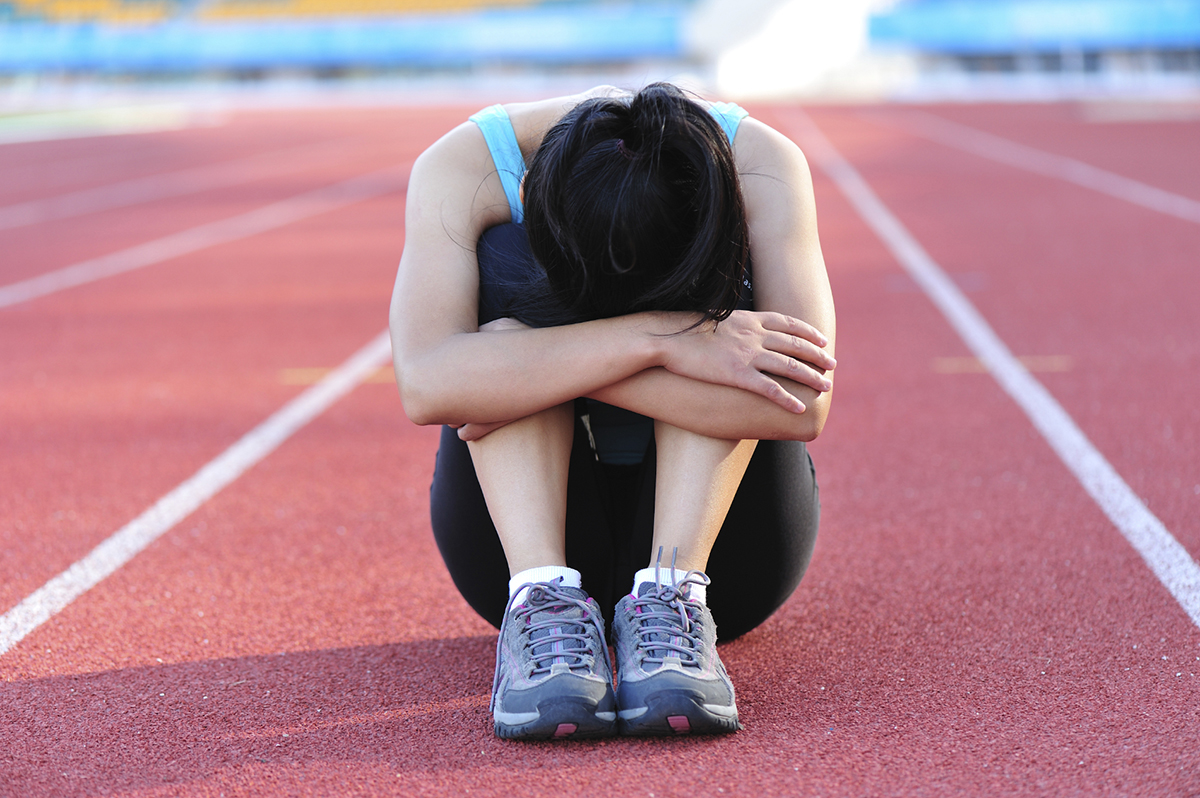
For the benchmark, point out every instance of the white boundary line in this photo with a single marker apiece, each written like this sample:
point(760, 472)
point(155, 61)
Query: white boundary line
point(207, 235)
point(123, 545)
point(170, 184)
point(987, 145)
point(1169, 560)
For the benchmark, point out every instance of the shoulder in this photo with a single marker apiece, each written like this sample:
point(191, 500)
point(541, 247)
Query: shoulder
point(775, 176)
point(780, 206)
point(454, 181)
point(761, 150)
point(447, 154)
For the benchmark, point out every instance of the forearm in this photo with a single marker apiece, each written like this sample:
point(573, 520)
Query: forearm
point(489, 376)
point(718, 411)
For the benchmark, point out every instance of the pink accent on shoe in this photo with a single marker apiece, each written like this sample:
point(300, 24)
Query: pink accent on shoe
point(679, 724)
point(566, 730)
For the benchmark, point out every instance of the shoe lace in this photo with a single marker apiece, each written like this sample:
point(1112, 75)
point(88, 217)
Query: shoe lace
point(551, 636)
point(666, 617)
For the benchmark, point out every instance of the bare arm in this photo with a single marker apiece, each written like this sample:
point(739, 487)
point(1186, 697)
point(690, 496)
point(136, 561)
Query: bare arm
point(789, 277)
point(450, 372)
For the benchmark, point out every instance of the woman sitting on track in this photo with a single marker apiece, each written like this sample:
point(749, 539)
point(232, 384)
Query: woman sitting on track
point(573, 303)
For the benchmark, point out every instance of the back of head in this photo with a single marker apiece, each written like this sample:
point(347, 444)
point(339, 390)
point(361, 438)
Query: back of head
point(634, 204)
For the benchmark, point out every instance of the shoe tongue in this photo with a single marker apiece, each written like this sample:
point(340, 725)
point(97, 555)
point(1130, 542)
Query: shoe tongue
point(570, 616)
point(646, 588)
point(668, 626)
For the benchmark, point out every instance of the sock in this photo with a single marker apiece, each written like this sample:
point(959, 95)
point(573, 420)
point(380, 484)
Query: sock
point(694, 591)
point(543, 573)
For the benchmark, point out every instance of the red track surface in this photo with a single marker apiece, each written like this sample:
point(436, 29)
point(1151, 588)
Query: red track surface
point(971, 623)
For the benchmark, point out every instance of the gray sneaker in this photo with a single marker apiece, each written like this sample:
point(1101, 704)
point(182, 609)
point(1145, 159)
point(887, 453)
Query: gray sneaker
point(553, 678)
point(670, 679)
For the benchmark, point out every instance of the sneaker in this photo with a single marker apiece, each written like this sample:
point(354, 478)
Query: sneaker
point(553, 678)
point(670, 679)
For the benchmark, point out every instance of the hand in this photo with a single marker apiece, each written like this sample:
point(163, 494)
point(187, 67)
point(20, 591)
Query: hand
point(742, 350)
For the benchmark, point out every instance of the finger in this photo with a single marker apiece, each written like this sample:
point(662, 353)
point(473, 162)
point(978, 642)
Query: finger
point(474, 432)
point(505, 323)
point(790, 324)
point(793, 369)
point(769, 389)
point(796, 347)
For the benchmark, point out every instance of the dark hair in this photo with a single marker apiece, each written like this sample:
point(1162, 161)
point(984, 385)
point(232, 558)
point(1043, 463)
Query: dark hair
point(634, 203)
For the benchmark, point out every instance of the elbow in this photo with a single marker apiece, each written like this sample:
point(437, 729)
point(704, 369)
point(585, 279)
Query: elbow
point(809, 432)
point(418, 405)
point(415, 381)
point(803, 430)
point(417, 413)
point(807, 426)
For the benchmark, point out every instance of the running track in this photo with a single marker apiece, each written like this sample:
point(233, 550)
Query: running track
point(974, 622)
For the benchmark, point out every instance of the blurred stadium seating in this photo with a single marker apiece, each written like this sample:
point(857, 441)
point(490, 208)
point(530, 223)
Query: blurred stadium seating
point(182, 36)
point(329, 37)
point(243, 9)
point(111, 11)
point(147, 11)
point(1044, 35)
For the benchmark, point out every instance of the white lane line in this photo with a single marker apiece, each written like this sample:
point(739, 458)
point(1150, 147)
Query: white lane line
point(170, 184)
point(1169, 560)
point(124, 544)
point(987, 145)
point(269, 217)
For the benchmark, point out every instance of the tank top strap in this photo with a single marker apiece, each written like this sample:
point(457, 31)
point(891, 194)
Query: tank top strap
point(501, 140)
point(728, 116)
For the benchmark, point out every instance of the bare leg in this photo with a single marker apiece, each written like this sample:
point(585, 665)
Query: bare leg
point(522, 469)
point(696, 478)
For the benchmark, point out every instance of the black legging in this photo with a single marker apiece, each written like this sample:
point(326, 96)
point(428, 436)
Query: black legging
point(758, 560)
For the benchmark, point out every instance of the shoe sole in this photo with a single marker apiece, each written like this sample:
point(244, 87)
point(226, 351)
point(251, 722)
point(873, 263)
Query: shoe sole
point(561, 719)
point(672, 713)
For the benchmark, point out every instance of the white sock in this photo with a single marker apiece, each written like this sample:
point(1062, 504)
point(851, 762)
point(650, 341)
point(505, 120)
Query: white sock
point(543, 573)
point(694, 591)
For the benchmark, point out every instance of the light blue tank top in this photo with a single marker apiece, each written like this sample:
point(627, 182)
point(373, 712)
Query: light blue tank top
point(501, 140)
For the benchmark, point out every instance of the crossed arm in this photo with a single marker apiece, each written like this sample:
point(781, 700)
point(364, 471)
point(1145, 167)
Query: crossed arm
point(758, 375)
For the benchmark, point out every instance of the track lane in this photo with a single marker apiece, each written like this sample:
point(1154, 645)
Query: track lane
point(1063, 271)
point(110, 392)
point(45, 169)
point(187, 497)
point(57, 245)
point(956, 555)
point(136, 191)
point(1166, 558)
point(1107, 135)
point(909, 585)
point(123, 388)
point(37, 170)
point(241, 226)
point(1032, 159)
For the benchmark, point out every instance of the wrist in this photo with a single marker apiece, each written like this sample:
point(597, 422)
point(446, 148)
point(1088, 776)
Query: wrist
point(655, 332)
